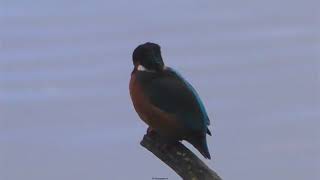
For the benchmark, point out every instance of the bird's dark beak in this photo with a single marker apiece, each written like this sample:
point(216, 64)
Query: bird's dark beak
point(159, 64)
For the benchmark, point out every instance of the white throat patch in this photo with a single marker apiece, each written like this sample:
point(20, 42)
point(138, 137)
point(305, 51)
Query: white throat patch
point(142, 68)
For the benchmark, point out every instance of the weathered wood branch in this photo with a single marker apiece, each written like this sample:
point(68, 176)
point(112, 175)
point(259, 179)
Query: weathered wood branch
point(179, 158)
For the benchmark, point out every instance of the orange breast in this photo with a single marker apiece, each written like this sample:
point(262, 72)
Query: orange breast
point(162, 122)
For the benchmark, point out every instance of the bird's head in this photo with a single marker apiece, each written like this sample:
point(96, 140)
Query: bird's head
point(147, 57)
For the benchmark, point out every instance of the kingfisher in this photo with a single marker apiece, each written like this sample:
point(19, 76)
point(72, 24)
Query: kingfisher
point(167, 102)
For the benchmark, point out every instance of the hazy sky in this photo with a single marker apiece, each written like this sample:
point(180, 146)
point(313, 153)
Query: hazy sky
point(65, 110)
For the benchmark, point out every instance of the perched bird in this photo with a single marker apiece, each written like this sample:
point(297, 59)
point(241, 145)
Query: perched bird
point(165, 101)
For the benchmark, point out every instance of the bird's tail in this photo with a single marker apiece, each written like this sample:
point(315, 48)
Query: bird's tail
point(200, 143)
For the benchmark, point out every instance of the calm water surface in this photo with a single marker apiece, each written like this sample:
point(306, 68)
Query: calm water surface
point(65, 110)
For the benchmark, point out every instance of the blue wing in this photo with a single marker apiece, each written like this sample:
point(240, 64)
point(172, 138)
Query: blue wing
point(200, 103)
point(173, 94)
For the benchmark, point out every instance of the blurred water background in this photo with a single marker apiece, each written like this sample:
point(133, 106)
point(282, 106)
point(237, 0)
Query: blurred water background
point(65, 110)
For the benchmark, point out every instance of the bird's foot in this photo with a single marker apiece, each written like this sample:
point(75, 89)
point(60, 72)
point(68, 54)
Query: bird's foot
point(151, 133)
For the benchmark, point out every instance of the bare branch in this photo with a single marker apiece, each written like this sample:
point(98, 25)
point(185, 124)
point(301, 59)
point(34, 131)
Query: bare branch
point(186, 164)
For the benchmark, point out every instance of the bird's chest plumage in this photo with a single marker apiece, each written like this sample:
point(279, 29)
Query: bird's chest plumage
point(162, 122)
point(139, 100)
